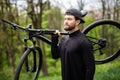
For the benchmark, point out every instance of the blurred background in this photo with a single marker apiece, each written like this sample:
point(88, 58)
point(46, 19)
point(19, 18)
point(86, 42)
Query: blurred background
point(49, 14)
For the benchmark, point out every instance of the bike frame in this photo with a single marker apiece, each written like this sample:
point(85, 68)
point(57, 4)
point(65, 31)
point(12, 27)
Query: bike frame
point(34, 32)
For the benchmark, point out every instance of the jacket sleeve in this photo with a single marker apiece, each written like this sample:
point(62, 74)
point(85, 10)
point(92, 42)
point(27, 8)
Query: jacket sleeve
point(88, 59)
point(54, 46)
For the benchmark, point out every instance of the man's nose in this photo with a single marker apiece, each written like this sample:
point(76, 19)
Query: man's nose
point(65, 21)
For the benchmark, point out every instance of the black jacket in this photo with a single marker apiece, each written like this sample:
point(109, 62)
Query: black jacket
point(76, 56)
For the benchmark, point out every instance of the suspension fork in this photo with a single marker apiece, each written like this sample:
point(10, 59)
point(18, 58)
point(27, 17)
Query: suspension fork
point(33, 68)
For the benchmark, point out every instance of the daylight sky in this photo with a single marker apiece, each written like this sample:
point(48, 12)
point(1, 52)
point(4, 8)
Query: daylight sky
point(89, 4)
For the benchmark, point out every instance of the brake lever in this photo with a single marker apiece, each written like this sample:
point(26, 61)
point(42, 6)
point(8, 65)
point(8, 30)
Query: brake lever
point(13, 27)
point(29, 26)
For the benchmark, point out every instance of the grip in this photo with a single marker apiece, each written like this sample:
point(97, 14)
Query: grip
point(6, 21)
point(64, 33)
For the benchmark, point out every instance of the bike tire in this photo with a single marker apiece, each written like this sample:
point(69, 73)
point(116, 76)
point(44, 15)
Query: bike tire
point(106, 32)
point(27, 52)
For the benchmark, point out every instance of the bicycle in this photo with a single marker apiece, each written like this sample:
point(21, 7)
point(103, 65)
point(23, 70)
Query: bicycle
point(100, 41)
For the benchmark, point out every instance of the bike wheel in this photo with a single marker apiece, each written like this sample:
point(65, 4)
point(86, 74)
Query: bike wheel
point(105, 38)
point(30, 64)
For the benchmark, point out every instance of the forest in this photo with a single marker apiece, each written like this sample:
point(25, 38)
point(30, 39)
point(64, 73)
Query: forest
point(48, 14)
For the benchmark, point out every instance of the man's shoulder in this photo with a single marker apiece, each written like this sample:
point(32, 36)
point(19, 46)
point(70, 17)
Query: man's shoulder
point(65, 37)
point(84, 39)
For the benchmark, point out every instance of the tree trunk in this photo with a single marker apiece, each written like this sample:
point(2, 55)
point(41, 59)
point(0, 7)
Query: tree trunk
point(36, 18)
point(103, 9)
point(44, 65)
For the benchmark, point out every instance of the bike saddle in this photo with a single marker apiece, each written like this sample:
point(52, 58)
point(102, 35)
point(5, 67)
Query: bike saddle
point(84, 13)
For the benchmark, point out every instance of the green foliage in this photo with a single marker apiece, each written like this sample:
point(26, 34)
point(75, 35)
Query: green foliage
point(6, 74)
point(51, 19)
point(45, 23)
point(109, 71)
point(88, 20)
point(51, 78)
point(54, 66)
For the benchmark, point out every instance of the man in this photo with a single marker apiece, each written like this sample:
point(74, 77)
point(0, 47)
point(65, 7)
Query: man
point(74, 50)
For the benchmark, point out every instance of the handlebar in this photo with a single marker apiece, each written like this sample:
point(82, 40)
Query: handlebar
point(14, 26)
point(32, 31)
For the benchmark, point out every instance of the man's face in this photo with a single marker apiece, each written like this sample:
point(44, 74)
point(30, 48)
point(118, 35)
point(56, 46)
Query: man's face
point(69, 22)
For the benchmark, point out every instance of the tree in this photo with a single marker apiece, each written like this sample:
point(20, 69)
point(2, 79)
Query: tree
point(35, 11)
point(8, 41)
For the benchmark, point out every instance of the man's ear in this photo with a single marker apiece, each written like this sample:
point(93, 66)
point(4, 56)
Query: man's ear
point(77, 22)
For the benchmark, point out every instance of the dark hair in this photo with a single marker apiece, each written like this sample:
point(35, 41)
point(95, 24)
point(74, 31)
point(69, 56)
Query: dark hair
point(76, 18)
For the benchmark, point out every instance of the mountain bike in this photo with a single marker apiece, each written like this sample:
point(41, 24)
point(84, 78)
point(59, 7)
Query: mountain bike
point(103, 35)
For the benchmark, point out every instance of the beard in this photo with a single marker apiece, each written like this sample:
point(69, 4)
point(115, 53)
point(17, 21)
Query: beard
point(69, 28)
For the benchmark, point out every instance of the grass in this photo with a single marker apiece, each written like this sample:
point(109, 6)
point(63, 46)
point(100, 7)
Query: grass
point(108, 71)
point(58, 77)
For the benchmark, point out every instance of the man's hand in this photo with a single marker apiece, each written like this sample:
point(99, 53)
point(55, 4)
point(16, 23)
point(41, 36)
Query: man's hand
point(57, 32)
